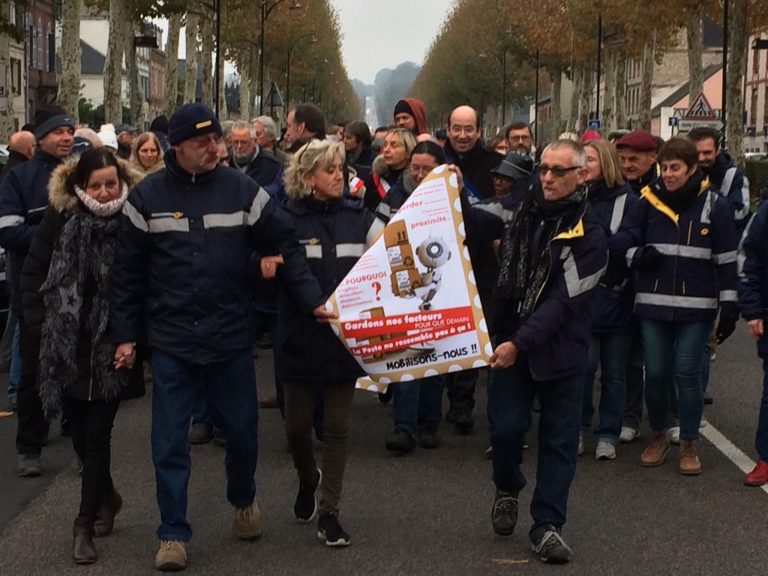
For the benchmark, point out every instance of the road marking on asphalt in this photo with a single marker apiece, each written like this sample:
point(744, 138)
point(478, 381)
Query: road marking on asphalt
point(502, 561)
point(731, 451)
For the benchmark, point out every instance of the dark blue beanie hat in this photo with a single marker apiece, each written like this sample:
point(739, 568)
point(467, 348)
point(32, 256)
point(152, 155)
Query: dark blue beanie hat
point(192, 120)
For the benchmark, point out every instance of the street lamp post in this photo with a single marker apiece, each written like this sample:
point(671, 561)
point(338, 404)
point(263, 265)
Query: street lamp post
point(724, 106)
point(266, 10)
point(312, 40)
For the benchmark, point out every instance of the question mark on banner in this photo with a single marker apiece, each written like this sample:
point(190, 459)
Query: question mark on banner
point(377, 288)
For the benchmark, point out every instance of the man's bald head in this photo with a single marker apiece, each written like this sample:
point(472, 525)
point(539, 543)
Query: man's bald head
point(463, 129)
point(22, 142)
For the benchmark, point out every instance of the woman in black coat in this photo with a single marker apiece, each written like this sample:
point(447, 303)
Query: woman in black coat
point(65, 286)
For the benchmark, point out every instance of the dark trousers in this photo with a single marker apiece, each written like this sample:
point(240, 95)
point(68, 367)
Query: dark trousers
point(300, 402)
point(90, 425)
point(633, 406)
point(761, 435)
point(32, 430)
point(510, 399)
point(461, 390)
point(230, 388)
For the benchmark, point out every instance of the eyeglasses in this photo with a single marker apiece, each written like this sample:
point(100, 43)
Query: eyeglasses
point(468, 130)
point(557, 171)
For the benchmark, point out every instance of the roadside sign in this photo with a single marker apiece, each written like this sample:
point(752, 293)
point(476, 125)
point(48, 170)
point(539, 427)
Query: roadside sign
point(688, 125)
point(274, 98)
point(700, 109)
point(594, 124)
point(673, 120)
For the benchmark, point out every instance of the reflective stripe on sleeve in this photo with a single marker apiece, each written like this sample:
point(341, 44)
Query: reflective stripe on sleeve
point(726, 257)
point(575, 284)
point(224, 220)
point(676, 301)
point(11, 220)
point(349, 250)
point(257, 206)
point(135, 217)
point(160, 225)
point(618, 213)
point(631, 255)
point(40, 209)
point(728, 296)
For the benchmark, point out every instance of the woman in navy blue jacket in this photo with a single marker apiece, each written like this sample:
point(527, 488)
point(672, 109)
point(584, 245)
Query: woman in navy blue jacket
point(334, 231)
point(685, 257)
point(611, 308)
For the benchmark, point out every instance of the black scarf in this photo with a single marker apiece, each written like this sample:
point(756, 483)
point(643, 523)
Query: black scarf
point(82, 257)
point(680, 198)
point(525, 256)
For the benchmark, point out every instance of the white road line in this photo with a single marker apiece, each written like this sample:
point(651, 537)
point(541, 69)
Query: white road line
point(731, 451)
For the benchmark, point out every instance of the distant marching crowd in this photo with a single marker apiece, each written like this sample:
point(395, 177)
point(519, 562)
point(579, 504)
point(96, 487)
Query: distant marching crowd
point(169, 256)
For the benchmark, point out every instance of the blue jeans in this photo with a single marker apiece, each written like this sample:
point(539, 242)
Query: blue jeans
point(673, 358)
point(418, 404)
point(230, 389)
point(14, 375)
point(510, 398)
point(761, 436)
point(609, 351)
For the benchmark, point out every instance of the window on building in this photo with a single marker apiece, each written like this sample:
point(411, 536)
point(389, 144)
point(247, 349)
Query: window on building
point(752, 120)
point(51, 52)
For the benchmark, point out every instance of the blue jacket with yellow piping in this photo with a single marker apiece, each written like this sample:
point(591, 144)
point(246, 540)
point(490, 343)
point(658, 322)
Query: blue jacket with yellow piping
point(696, 273)
point(753, 273)
point(182, 266)
point(333, 234)
point(556, 335)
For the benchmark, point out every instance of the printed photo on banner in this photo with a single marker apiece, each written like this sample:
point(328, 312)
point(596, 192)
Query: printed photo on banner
point(410, 307)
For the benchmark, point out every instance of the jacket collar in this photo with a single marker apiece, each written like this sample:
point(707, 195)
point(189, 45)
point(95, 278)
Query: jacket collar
point(176, 170)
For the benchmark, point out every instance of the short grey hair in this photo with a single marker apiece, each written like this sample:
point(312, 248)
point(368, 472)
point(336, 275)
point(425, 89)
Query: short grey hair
point(226, 127)
point(577, 150)
point(243, 125)
point(270, 128)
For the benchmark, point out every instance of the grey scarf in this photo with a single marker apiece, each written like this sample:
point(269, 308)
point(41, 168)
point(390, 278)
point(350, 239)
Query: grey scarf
point(82, 256)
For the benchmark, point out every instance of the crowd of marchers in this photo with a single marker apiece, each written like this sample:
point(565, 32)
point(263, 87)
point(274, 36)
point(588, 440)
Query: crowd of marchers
point(163, 260)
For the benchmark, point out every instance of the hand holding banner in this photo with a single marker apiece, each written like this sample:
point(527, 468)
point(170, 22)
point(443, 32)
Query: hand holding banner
point(410, 308)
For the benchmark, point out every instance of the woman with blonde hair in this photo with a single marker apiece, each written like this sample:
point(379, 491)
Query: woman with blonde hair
point(335, 231)
point(389, 165)
point(613, 202)
point(147, 155)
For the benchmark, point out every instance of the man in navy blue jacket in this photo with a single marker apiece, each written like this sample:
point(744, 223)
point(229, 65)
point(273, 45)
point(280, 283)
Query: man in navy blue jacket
point(181, 276)
point(552, 255)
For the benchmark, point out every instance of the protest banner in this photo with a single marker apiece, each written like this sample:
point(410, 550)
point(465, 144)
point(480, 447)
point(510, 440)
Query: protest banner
point(410, 308)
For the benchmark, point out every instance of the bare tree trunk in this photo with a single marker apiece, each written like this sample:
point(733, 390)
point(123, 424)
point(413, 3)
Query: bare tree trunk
point(737, 40)
point(606, 115)
point(172, 64)
point(695, 12)
point(190, 75)
point(69, 83)
point(649, 60)
point(253, 83)
point(557, 114)
point(573, 112)
point(245, 86)
point(6, 115)
point(222, 95)
point(585, 98)
point(132, 68)
point(206, 55)
point(621, 85)
point(113, 64)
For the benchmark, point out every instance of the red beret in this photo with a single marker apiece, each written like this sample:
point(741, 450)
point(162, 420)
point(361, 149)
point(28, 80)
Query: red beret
point(638, 140)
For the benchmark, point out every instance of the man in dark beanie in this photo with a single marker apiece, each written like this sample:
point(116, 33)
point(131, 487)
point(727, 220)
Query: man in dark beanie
point(410, 113)
point(23, 199)
point(159, 127)
point(181, 276)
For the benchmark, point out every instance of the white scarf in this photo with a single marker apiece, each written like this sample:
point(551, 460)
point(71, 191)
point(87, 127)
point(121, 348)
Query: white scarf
point(102, 208)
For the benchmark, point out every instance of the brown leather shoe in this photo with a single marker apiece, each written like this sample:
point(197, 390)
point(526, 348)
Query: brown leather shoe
point(83, 550)
point(656, 451)
point(105, 521)
point(690, 465)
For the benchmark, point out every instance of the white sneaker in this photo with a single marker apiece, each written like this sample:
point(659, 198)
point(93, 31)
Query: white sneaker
point(581, 443)
point(703, 423)
point(605, 451)
point(628, 434)
point(673, 435)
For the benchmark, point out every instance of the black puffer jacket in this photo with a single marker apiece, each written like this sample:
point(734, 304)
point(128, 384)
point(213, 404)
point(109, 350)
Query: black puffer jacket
point(62, 202)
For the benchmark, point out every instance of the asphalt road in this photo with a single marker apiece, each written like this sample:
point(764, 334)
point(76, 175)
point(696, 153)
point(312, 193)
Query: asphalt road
point(426, 513)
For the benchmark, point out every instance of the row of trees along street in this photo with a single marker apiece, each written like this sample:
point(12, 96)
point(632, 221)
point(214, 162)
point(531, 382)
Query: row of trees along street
point(465, 62)
point(302, 43)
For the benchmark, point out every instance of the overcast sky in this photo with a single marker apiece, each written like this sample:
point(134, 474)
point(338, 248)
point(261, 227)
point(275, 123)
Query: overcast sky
point(384, 33)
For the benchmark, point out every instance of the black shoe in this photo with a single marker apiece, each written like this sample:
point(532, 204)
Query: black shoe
point(65, 427)
point(200, 434)
point(428, 439)
point(329, 529)
point(264, 342)
point(708, 400)
point(550, 546)
point(28, 465)
point(400, 441)
point(463, 422)
point(504, 512)
point(451, 416)
point(305, 506)
point(386, 396)
point(218, 438)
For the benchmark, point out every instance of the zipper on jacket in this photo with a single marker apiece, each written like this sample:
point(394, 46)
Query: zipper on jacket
point(690, 230)
point(683, 287)
point(656, 285)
